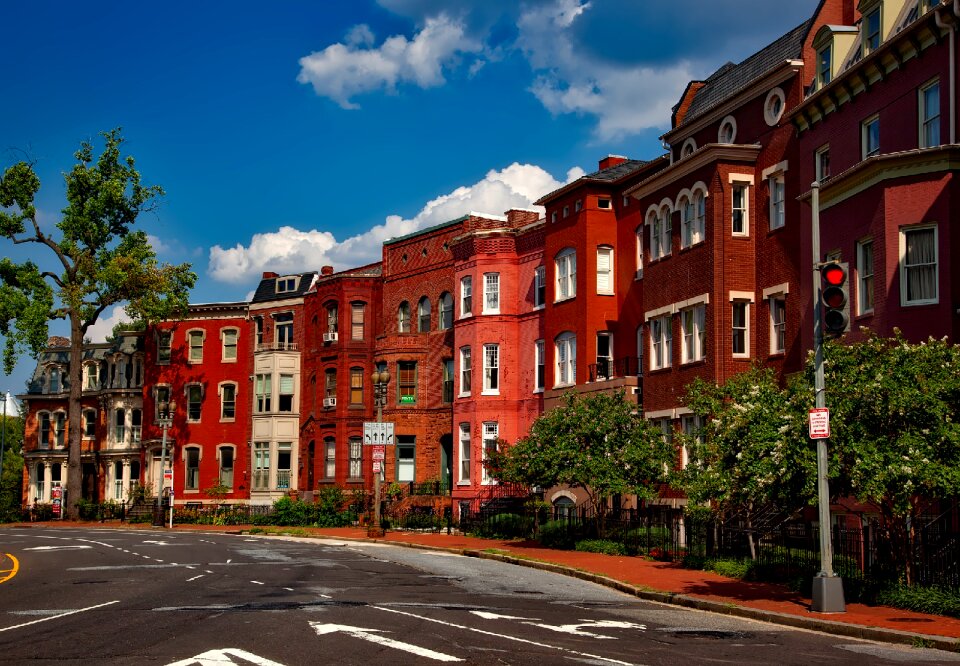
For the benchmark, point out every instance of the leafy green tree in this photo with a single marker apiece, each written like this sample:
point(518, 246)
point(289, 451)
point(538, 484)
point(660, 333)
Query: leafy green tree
point(100, 261)
point(599, 443)
point(747, 453)
point(11, 475)
point(895, 428)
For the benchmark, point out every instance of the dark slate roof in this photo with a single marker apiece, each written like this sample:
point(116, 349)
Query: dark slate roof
point(97, 351)
point(267, 289)
point(608, 175)
point(730, 79)
point(426, 230)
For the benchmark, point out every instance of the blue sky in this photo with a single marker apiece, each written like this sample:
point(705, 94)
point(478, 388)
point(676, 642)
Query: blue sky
point(293, 134)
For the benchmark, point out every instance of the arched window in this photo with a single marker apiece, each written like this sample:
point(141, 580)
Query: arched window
point(423, 315)
point(446, 311)
point(565, 268)
point(565, 357)
point(403, 318)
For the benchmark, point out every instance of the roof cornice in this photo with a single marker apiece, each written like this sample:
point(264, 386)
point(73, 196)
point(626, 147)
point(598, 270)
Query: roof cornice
point(879, 168)
point(585, 180)
point(712, 152)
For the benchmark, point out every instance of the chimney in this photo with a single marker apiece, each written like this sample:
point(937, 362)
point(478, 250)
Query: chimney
point(269, 274)
point(517, 217)
point(611, 161)
point(326, 270)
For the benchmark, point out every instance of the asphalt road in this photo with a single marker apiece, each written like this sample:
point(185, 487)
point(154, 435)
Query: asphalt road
point(156, 597)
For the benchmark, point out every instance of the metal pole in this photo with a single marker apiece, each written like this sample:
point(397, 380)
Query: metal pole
point(3, 437)
point(827, 586)
point(379, 391)
point(163, 464)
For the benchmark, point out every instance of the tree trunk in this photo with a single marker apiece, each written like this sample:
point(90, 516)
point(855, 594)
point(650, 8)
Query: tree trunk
point(74, 428)
point(750, 540)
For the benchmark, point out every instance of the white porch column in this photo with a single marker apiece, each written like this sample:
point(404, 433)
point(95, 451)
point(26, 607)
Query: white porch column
point(126, 479)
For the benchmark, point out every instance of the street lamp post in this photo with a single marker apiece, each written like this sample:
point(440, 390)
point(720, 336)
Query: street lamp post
point(380, 380)
point(165, 412)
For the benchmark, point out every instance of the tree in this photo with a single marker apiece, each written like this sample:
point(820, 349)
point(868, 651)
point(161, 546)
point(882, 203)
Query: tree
point(100, 261)
point(895, 428)
point(599, 443)
point(747, 453)
point(11, 474)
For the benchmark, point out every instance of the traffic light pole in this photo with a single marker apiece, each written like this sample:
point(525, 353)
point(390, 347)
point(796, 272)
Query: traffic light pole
point(827, 586)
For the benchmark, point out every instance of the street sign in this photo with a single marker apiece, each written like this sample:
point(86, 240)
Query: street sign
point(379, 452)
point(376, 466)
point(57, 497)
point(168, 476)
point(820, 423)
point(377, 434)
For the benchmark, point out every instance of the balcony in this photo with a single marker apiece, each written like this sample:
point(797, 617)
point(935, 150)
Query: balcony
point(277, 347)
point(606, 369)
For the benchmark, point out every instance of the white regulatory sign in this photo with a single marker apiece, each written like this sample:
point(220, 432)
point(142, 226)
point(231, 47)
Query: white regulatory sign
point(377, 434)
point(820, 423)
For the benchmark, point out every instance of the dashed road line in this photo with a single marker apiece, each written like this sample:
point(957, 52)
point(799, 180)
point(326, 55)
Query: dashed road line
point(55, 617)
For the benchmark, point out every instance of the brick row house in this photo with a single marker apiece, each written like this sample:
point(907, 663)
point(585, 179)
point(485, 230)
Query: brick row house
point(639, 277)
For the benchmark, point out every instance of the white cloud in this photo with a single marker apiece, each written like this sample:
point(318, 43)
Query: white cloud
point(290, 250)
point(104, 325)
point(157, 244)
point(344, 70)
point(625, 98)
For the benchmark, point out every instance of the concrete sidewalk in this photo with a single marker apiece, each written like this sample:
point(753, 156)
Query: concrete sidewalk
point(657, 581)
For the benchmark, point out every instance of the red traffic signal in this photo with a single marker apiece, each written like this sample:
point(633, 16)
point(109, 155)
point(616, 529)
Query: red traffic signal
point(833, 298)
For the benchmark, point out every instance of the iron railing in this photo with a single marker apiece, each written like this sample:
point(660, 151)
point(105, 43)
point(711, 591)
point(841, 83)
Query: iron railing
point(605, 368)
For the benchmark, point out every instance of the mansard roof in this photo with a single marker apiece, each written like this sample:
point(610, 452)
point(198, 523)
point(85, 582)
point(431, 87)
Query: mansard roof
point(267, 289)
point(731, 78)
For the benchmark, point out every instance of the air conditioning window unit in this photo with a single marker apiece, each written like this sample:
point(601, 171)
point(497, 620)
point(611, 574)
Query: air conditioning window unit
point(329, 337)
point(330, 402)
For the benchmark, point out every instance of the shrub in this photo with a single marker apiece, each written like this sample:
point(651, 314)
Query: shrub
point(935, 600)
point(731, 568)
point(605, 546)
point(505, 526)
point(558, 534)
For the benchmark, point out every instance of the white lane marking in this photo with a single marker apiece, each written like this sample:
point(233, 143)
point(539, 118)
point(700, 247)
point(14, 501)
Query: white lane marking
point(229, 561)
point(288, 589)
point(256, 582)
point(505, 636)
point(207, 571)
point(576, 629)
point(372, 636)
point(160, 543)
point(494, 616)
point(54, 617)
point(117, 567)
point(190, 580)
point(57, 547)
point(156, 560)
point(222, 658)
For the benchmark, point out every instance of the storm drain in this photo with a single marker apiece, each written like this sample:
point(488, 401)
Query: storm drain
point(708, 633)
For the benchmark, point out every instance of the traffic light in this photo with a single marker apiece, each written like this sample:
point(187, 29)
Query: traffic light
point(833, 298)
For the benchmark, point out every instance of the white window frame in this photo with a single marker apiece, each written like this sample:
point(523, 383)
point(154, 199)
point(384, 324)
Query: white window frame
point(727, 133)
point(491, 293)
point(821, 160)
point(743, 208)
point(690, 425)
point(565, 359)
point(608, 336)
point(491, 433)
point(539, 287)
point(824, 66)
point(866, 149)
point(743, 328)
point(866, 47)
point(445, 315)
point(661, 342)
point(693, 322)
point(778, 204)
point(565, 265)
point(463, 469)
point(904, 268)
point(491, 369)
point(225, 333)
point(638, 238)
point(865, 270)
point(466, 296)
point(223, 403)
point(687, 220)
point(929, 124)
point(778, 328)
point(605, 277)
point(466, 371)
point(539, 366)
point(661, 233)
point(424, 315)
point(191, 334)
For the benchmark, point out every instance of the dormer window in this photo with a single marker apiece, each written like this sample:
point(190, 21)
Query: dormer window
point(728, 130)
point(824, 65)
point(286, 285)
point(870, 31)
point(689, 148)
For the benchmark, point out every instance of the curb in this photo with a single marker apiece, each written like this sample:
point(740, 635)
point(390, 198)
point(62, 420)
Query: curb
point(844, 629)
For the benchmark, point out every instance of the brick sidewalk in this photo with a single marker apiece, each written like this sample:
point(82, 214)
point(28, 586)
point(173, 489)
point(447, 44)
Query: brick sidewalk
point(660, 581)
